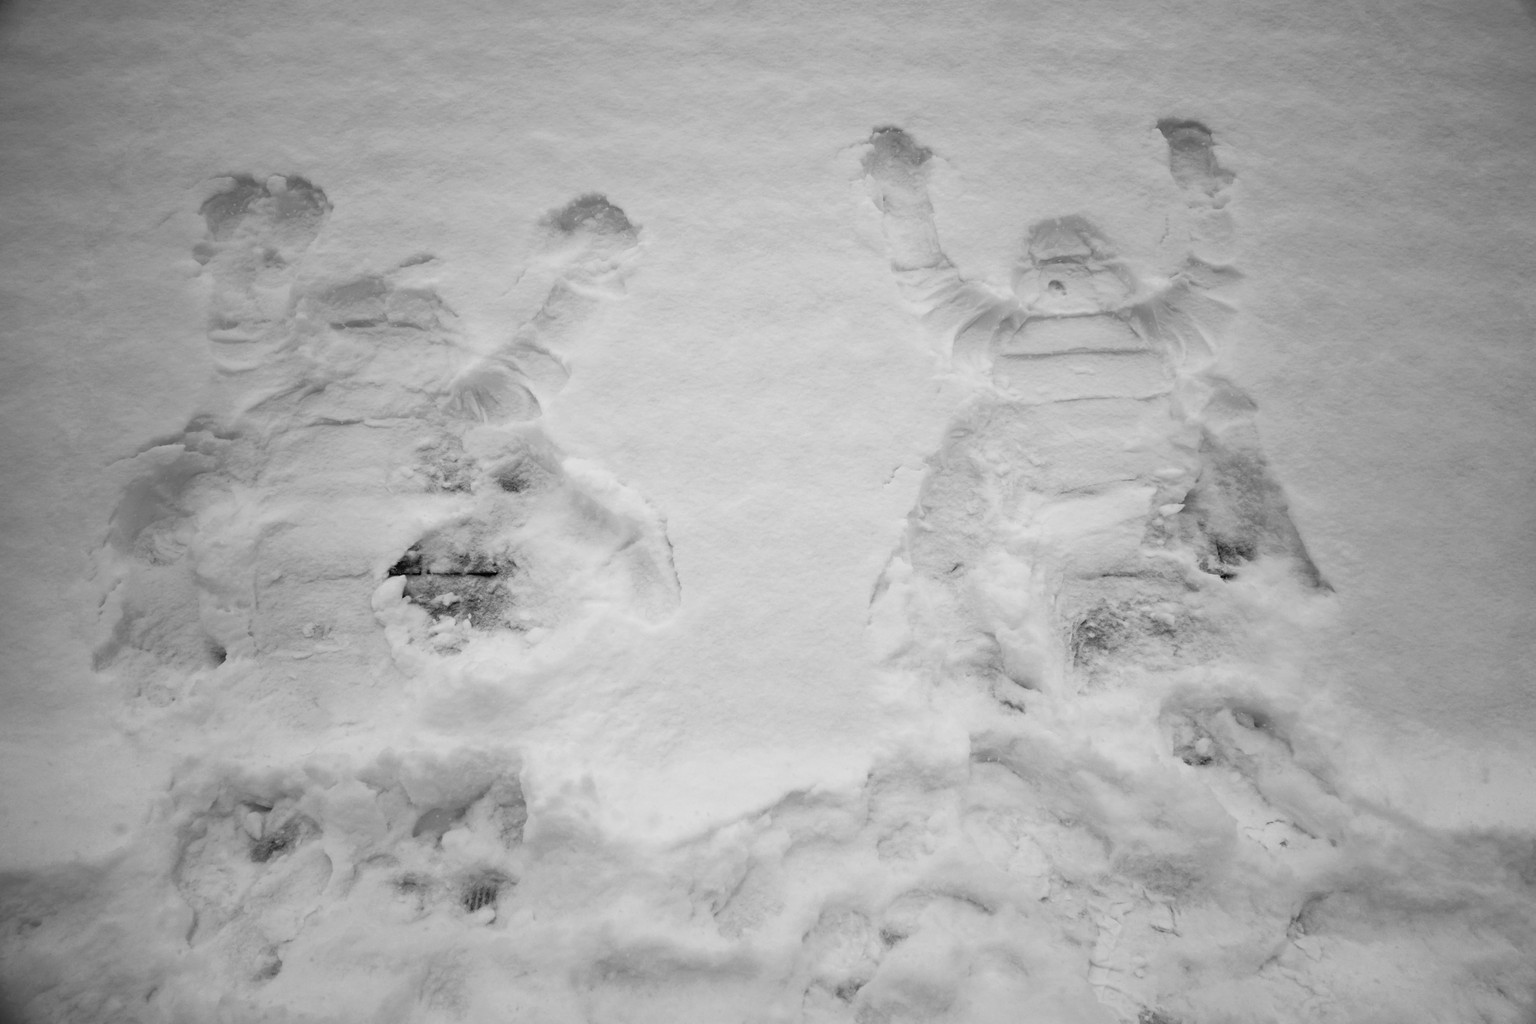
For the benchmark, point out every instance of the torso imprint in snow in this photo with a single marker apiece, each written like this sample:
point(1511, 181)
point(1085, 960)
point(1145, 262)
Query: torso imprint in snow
point(357, 465)
point(1089, 501)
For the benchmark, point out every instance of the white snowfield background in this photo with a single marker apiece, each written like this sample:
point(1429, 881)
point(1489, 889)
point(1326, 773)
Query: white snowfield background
point(761, 385)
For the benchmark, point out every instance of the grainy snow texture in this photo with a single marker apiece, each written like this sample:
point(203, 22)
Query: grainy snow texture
point(756, 513)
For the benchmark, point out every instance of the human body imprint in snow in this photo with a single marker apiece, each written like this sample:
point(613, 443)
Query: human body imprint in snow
point(357, 462)
point(1088, 500)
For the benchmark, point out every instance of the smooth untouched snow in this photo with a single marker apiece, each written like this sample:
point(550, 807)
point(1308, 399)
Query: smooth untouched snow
point(751, 513)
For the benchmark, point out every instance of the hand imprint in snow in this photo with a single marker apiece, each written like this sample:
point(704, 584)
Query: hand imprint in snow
point(1088, 500)
point(347, 411)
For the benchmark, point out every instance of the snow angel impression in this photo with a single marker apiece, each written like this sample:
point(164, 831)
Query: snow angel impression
point(1093, 496)
point(356, 462)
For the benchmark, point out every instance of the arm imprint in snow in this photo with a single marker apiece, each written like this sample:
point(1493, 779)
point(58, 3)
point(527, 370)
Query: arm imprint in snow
point(896, 172)
point(359, 339)
point(1069, 292)
point(593, 245)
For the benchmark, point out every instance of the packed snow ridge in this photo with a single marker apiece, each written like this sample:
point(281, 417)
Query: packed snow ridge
point(367, 543)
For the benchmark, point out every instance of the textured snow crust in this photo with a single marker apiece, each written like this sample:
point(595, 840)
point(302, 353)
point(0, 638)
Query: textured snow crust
point(766, 514)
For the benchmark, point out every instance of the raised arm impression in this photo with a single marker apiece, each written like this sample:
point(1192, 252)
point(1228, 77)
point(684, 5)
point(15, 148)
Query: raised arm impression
point(964, 317)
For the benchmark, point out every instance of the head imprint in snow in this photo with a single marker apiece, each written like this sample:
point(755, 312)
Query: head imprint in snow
point(1069, 269)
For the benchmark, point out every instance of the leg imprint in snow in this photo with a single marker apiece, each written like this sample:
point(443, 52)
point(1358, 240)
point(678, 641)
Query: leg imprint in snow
point(1099, 449)
point(153, 612)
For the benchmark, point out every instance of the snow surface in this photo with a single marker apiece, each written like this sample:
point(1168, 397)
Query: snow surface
point(442, 595)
